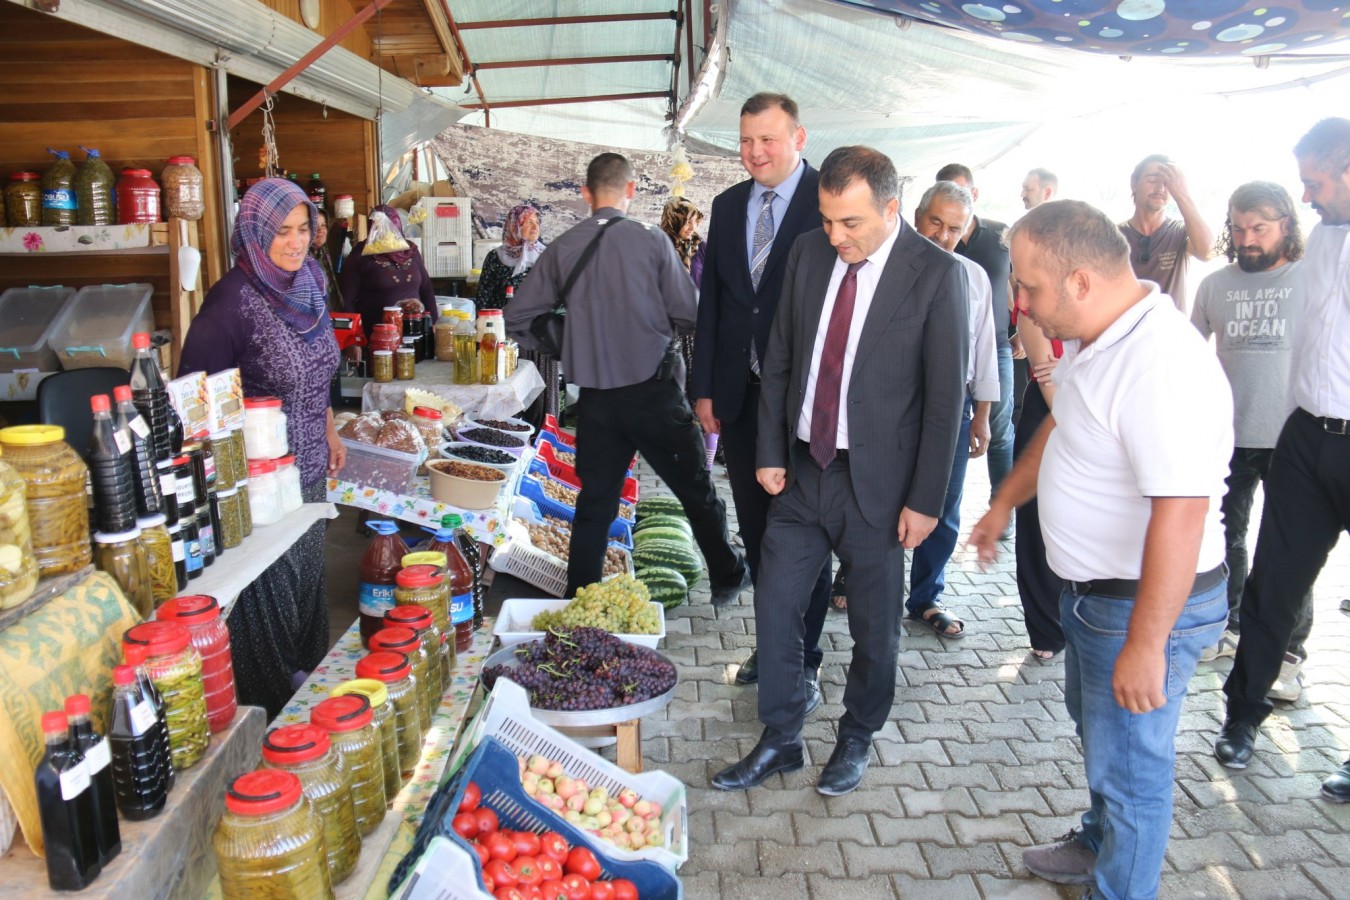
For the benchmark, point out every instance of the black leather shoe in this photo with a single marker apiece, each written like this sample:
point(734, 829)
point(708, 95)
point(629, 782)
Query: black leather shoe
point(1235, 743)
point(721, 596)
point(848, 762)
point(748, 673)
point(762, 762)
point(1337, 787)
point(813, 696)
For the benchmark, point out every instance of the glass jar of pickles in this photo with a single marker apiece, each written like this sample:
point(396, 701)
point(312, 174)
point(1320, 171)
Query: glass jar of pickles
point(395, 671)
point(231, 533)
point(406, 641)
point(420, 620)
point(123, 557)
point(269, 842)
point(385, 735)
point(306, 751)
point(223, 449)
point(23, 200)
point(158, 557)
point(424, 586)
point(18, 566)
point(175, 667)
point(200, 614)
point(405, 364)
point(350, 723)
point(54, 477)
point(382, 366)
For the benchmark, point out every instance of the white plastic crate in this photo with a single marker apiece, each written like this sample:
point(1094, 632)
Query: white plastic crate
point(512, 625)
point(520, 558)
point(445, 872)
point(506, 717)
point(447, 236)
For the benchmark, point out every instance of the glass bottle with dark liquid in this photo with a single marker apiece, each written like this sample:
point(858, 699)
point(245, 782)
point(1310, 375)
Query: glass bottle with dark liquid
point(98, 757)
point(65, 798)
point(138, 762)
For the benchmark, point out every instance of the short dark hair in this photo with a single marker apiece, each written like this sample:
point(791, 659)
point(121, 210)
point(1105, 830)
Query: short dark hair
point(1046, 178)
point(766, 100)
point(1268, 198)
point(1145, 163)
point(953, 171)
point(609, 172)
point(1072, 235)
point(1327, 146)
point(846, 164)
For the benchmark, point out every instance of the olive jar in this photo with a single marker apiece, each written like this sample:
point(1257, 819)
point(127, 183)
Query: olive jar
point(407, 642)
point(386, 735)
point(54, 477)
point(395, 671)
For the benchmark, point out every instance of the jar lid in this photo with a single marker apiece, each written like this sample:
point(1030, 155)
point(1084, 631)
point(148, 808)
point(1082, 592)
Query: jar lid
point(262, 792)
point(140, 340)
point(410, 616)
point(397, 309)
point(427, 412)
point(120, 537)
point(372, 690)
point(159, 638)
point(384, 352)
point(384, 665)
point(260, 467)
point(346, 713)
point(418, 576)
point(191, 447)
point(54, 721)
point(182, 460)
point(433, 558)
point(262, 403)
point(403, 640)
point(343, 197)
point(136, 173)
point(287, 460)
point(24, 176)
point(154, 521)
point(77, 705)
point(292, 744)
point(123, 675)
point(190, 609)
point(402, 350)
point(182, 161)
point(135, 654)
point(32, 435)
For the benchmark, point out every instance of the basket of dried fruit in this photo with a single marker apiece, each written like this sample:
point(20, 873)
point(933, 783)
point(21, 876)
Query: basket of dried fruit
point(466, 485)
point(543, 568)
point(476, 453)
point(560, 500)
point(484, 436)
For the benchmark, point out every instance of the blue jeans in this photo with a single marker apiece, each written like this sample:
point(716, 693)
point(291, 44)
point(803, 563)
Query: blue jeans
point(1000, 422)
point(926, 577)
point(1130, 758)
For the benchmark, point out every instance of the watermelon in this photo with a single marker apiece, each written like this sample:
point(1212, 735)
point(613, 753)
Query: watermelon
point(664, 521)
point(679, 535)
point(665, 553)
point(658, 506)
point(666, 585)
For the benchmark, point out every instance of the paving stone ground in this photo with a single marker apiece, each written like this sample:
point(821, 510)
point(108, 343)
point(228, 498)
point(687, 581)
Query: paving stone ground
point(979, 760)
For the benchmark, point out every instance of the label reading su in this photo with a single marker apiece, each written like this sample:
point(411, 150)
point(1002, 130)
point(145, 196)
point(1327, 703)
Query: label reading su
point(143, 717)
point(461, 608)
point(74, 781)
point(97, 756)
point(375, 599)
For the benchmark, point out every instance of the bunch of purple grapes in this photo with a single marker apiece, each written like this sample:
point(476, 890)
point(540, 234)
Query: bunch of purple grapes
point(585, 668)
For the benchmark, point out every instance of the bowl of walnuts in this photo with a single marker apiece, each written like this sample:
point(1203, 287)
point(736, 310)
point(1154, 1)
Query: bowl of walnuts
point(465, 484)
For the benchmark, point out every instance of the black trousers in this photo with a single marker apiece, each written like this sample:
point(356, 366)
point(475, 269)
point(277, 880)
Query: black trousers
point(1307, 508)
point(818, 515)
point(738, 442)
point(1038, 587)
point(654, 418)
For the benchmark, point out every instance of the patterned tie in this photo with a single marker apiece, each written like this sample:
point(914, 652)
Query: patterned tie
point(825, 410)
point(759, 256)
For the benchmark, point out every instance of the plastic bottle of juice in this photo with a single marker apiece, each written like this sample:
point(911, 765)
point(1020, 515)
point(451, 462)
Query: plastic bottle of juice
point(379, 566)
point(464, 581)
point(468, 545)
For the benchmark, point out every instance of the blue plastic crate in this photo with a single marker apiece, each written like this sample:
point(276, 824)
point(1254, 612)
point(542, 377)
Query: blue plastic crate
point(495, 770)
point(620, 532)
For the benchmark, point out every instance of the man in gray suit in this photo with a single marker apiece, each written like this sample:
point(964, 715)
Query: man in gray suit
point(863, 390)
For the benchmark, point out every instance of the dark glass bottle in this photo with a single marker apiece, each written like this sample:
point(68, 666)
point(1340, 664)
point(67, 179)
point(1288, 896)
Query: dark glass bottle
point(139, 775)
point(110, 471)
point(150, 394)
point(98, 757)
point(65, 806)
point(130, 422)
point(135, 656)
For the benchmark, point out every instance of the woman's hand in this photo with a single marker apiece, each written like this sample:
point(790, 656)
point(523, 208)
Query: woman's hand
point(337, 453)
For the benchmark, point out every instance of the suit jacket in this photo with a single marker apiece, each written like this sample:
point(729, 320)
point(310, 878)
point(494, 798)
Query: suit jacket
point(907, 390)
point(731, 312)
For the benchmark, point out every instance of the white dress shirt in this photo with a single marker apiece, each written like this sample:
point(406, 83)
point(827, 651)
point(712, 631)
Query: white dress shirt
point(982, 370)
point(867, 276)
point(1320, 380)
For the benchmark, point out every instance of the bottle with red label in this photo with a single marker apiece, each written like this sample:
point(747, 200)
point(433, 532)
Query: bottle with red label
point(65, 798)
point(379, 569)
point(98, 757)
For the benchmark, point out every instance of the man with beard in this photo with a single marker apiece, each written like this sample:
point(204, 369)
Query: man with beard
point(1308, 491)
point(1253, 307)
point(1159, 245)
point(1040, 186)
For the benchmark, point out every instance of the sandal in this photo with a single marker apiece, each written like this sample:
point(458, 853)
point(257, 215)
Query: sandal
point(1043, 655)
point(941, 621)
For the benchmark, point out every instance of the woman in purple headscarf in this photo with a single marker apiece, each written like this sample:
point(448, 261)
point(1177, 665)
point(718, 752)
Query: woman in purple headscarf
point(507, 266)
point(268, 317)
point(371, 281)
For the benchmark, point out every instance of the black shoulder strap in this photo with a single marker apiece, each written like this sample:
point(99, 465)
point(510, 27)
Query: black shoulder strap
point(582, 261)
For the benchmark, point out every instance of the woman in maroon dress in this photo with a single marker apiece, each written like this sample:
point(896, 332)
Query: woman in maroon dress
point(370, 282)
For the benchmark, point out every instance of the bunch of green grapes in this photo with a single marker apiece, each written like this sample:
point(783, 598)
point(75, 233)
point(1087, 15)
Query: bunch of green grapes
point(620, 605)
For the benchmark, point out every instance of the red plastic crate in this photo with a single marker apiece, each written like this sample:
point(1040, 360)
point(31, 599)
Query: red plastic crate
point(561, 471)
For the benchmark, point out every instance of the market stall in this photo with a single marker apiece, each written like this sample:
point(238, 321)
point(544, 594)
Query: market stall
point(477, 401)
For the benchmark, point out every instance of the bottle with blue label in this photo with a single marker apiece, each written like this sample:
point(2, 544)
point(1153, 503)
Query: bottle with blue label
point(59, 203)
point(380, 565)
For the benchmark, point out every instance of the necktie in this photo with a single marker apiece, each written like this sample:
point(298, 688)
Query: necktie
point(759, 256)
point(825, 409)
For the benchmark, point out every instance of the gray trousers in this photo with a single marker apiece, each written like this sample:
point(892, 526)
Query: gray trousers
point(816, 515)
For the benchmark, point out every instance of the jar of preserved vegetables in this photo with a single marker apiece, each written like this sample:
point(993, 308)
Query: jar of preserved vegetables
point(222, 448)
point(307, 753)
point(200, 614)
point(123, 557)
point(137, 197)
point(23, 200)
point(386, 736)
point(420, 620)
point(238, 455)
point(406, 641)
point(269, 842)
point(158, 557)
point(54, 477)
point(350, 723)
point(18, 566)
point(405, 364)
point(425, 586)
point(395, 671)
point(175, 667)
point(183, 196)
point(231, 532)
point(382, 366)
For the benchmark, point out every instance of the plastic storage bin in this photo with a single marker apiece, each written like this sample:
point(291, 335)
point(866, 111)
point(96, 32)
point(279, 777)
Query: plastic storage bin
point(26, 318)
point(447, 236)
point(567, 474)
point(96, 326)
point(446, 871)
point(513, 623)
point(532, 488)
point(521, 559)
point(376, 467)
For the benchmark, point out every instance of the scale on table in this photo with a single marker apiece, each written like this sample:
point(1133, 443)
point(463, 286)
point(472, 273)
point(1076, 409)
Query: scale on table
point(351, 374)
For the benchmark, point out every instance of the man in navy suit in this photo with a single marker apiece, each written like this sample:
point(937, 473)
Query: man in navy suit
point(753, 225)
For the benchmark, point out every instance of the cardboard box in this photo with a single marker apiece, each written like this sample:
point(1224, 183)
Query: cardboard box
point(191, 398)
point(225, 395)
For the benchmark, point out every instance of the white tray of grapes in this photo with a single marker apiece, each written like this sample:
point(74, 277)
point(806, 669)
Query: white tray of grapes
point(619, 605)
point(516, 622)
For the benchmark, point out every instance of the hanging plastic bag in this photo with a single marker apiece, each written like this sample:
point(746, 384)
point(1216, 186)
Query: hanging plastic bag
point(383, 237)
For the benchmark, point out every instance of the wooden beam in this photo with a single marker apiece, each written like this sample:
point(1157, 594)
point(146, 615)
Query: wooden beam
point(555, 101)
point(439, 14)
point(570, 20)
point(574, 61)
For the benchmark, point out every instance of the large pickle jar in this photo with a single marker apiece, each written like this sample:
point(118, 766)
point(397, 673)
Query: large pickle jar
point(385, 734)
point(420, 620)
point(406, 641)
point(350, 723)
point(175, 667)
point(200, 614)
point(122, 556)
point(54, 477)
point(425, 586)
point(18, 566)
point(395, 671)
point(269, 842)
point(307, 752)
point(159, 557)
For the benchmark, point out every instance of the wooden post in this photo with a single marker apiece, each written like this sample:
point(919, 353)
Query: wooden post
point(183, 305)
point(629, 751)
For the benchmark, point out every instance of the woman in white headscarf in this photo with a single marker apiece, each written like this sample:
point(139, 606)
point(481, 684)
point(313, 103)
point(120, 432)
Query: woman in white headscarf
point(507, 266)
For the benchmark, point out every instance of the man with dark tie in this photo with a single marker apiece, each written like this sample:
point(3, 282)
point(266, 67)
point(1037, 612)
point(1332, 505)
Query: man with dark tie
point(864, 383)
point(752, 228)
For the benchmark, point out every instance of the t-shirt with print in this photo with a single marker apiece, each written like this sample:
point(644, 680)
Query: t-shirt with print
point(1160, 257)
point(1252, 317)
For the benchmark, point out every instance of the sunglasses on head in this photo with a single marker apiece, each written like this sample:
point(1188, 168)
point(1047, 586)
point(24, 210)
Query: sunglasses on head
point(1145, 247)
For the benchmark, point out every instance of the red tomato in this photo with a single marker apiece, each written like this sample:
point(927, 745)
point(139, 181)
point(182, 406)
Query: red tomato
point(624, 889)
point(488, 884)
point(500, 846)
point(483, 855)
point(508, 893)
point(550, 869)
point(602, 890)
point(532, 892)
point(465, 825)
point(527, 870)
point(472, 796)
point(552, 889)
point(527, 843)
point(577, 888)
point(486, 818)
point(553, 844)
point(581, 861)
point(501, 872)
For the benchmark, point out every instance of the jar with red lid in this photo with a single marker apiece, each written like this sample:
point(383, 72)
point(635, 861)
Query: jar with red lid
point(23, 200)
point(201, 614)
point(183, 194)
point(265, 434)
point(407, 642)
point(384, 336)
point(395, 671)
point(270, 840)
point(425, 586)
point(306, 751)
point(175, 668)
point(420, 620)
point(350, 723)
point(264, 492)
point(429, 423)
point(137, 197)
point(386, 736)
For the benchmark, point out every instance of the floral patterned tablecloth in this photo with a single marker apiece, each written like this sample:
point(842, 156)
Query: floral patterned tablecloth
point(418, 506)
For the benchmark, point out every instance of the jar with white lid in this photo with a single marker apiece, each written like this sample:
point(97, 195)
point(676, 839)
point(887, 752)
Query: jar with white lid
point(288, 477)
point(264, 492)
point(264, 428)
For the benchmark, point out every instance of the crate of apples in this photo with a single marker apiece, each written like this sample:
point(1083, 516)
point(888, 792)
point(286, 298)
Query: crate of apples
point(625, 820)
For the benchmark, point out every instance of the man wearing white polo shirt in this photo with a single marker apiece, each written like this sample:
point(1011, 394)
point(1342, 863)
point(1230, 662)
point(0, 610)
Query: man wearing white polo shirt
point(1129, 472)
